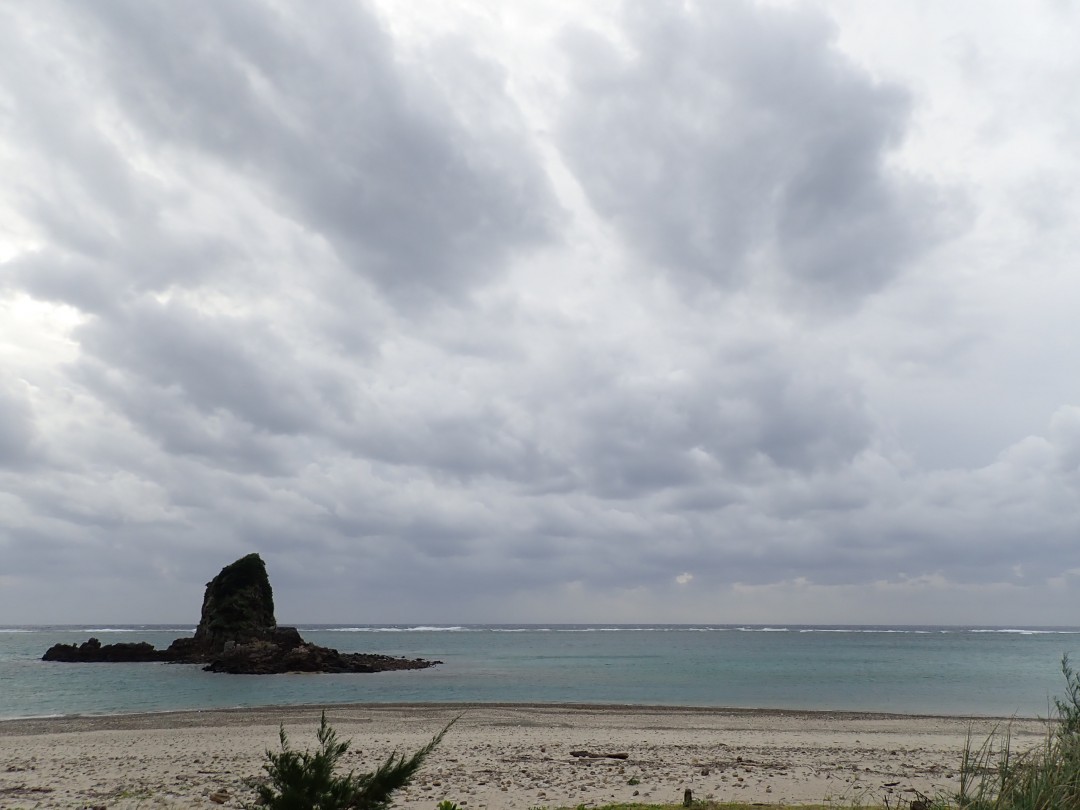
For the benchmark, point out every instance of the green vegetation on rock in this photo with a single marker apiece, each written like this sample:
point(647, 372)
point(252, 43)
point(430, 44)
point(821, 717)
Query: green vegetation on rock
point(238, 606)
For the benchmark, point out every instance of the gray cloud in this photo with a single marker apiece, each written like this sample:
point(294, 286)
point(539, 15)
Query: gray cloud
point(719, 421)
point(409, 191)
point(16, 425)
point(734, 143)
point(423, 198)
point(299, 283)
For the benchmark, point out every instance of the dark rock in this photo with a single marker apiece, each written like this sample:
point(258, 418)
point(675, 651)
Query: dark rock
point(183, 649)
point(238, 606)
point(93, 650)
point(269, 658)
point(286, 637)
point(238, 634)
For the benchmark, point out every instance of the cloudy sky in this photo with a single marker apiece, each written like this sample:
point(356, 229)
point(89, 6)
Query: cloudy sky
point(485, 311)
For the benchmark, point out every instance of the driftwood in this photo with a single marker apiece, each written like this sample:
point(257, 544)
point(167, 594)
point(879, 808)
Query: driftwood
point(591, 755)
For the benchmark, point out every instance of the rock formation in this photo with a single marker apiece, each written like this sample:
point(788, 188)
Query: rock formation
point(286, 651)
point(237, 610)
point(238, 606)
point(93, 650)
point(238, 634)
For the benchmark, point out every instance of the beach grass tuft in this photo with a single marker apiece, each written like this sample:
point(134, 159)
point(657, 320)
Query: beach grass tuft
point(995, 776)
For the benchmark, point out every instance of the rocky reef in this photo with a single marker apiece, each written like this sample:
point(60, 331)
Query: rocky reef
point(238, 634)
point(93, 650)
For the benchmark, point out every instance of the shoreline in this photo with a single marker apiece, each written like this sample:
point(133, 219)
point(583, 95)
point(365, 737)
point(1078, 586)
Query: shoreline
point(220, 715)
point(500, 755)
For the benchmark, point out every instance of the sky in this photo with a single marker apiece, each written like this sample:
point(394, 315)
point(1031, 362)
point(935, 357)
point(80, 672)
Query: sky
point(541, 311)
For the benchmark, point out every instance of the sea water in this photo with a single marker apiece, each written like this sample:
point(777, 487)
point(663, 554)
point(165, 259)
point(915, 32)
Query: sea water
point(1001, 671)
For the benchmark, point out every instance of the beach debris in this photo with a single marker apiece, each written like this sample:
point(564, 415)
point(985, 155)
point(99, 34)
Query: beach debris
point(17, 790)
point(592, 755)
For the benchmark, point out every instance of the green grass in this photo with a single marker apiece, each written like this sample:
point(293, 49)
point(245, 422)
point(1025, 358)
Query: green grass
point(995, 776)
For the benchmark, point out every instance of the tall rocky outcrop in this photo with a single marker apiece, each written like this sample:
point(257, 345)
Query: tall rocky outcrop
point(238, 634)
point(238, 606)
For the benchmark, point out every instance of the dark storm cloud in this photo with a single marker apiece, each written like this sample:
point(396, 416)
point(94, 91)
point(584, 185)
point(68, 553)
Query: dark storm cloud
point(310, 105)
point(423, 197)
point(735, 142)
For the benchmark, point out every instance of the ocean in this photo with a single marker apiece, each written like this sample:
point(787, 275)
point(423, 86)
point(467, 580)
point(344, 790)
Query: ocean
point(979, 671)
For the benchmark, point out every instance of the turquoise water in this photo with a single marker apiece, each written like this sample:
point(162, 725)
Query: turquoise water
point(922, 670)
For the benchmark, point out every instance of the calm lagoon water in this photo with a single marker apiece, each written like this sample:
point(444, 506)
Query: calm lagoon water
point(923, 670)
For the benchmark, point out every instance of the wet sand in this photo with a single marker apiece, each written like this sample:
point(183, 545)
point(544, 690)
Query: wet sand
point(498, 756)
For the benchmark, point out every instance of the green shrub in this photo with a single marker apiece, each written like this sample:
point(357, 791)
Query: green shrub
point(307, 781)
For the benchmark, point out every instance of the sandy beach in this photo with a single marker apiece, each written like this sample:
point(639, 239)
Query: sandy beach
point(497, 756)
